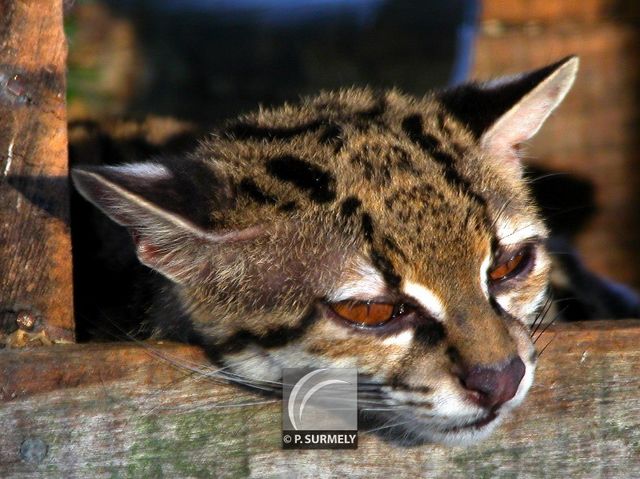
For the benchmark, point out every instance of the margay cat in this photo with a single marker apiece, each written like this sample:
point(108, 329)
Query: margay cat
point(358, 229)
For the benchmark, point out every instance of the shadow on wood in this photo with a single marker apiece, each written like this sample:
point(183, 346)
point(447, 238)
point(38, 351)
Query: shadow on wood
point(35, 255)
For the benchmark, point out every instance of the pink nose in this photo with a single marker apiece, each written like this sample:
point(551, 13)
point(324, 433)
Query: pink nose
point(494, 385)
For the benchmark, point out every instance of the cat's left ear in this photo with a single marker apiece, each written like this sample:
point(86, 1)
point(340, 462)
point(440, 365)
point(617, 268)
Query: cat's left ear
point(510, 110)
point(167, 209)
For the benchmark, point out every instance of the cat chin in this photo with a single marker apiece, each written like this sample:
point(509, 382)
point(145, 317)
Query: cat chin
point(424, 432)
point(461, 436)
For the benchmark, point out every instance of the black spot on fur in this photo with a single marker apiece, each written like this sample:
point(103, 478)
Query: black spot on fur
point(349, 206)
point(318, 183)
point(431, 333)
point(367, 227)
point(372, 116)
point(332, 135)
point(412, 126)
point(277, 337)
point(383, 264)
point(254, 192)
point(454, 355)
point(459, 149)
point(495, 306)
point(393, 246)
point(378, 108)
point(389, 201)
point(245, 131)
point(288, 206)
point(401, 160)
point(397, 382)
point(368, 171)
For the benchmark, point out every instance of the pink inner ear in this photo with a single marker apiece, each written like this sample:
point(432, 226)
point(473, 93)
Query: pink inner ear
point(178, 263)
point(147, 252)
point(166, 262)
point(525, 118)
point(515, 127)
point(511, 156)
point(504, 138)
point(504, 149)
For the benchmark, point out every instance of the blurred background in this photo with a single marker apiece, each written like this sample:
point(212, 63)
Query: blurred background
point(206, 60)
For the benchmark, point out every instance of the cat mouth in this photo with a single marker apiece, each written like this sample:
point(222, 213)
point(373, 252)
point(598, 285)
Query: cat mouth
point(479, 424)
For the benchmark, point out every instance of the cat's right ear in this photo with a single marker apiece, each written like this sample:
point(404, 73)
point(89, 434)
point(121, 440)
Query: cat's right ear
point(507, 111)
point(167, 211)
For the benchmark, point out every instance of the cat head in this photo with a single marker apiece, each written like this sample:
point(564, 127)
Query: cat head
point(361, 229)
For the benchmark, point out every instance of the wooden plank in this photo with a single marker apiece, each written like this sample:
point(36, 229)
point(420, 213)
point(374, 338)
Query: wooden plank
point(594, 134)
point(118, 410)
point(564, 11)
point(35, 248)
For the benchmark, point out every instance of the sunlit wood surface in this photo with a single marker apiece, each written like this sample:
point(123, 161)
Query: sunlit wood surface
point(35, 245)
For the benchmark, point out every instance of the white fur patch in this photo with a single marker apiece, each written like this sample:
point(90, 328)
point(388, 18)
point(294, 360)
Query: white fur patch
point(536, 303)
point(364, 283)
point(484, 280)
point(510, 232)
point(426, 298)
point(151, 171)
point(509, 300)
point(525, 385)
point(402, 339)
point(449, 403)
point(252, 365)
point(505, 301)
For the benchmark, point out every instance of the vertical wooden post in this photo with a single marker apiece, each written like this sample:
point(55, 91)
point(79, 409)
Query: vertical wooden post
point(35, 248)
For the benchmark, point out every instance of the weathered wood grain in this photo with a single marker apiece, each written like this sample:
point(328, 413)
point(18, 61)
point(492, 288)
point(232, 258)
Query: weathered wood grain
point(563, 11)
point(35, 248)
point(119, 410)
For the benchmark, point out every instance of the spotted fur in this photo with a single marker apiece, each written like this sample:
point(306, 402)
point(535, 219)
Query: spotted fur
point(360, 195)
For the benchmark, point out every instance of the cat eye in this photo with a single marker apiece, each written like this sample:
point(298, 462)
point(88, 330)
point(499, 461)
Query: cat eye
point(512, 266)
point(366, 313)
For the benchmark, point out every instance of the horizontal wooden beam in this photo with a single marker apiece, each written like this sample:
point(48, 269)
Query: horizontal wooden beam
point(543, 11)
point(140, 410)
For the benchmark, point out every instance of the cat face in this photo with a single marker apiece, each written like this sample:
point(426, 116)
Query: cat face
point(360, 229)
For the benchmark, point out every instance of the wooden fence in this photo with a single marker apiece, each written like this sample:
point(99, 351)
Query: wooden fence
point(117, 410)
point(127, 410)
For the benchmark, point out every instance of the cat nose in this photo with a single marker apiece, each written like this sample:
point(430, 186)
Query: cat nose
point(494, 385)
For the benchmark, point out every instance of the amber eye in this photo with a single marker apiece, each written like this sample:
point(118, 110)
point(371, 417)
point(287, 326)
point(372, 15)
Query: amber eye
point(364, 313)
point(509, 267)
